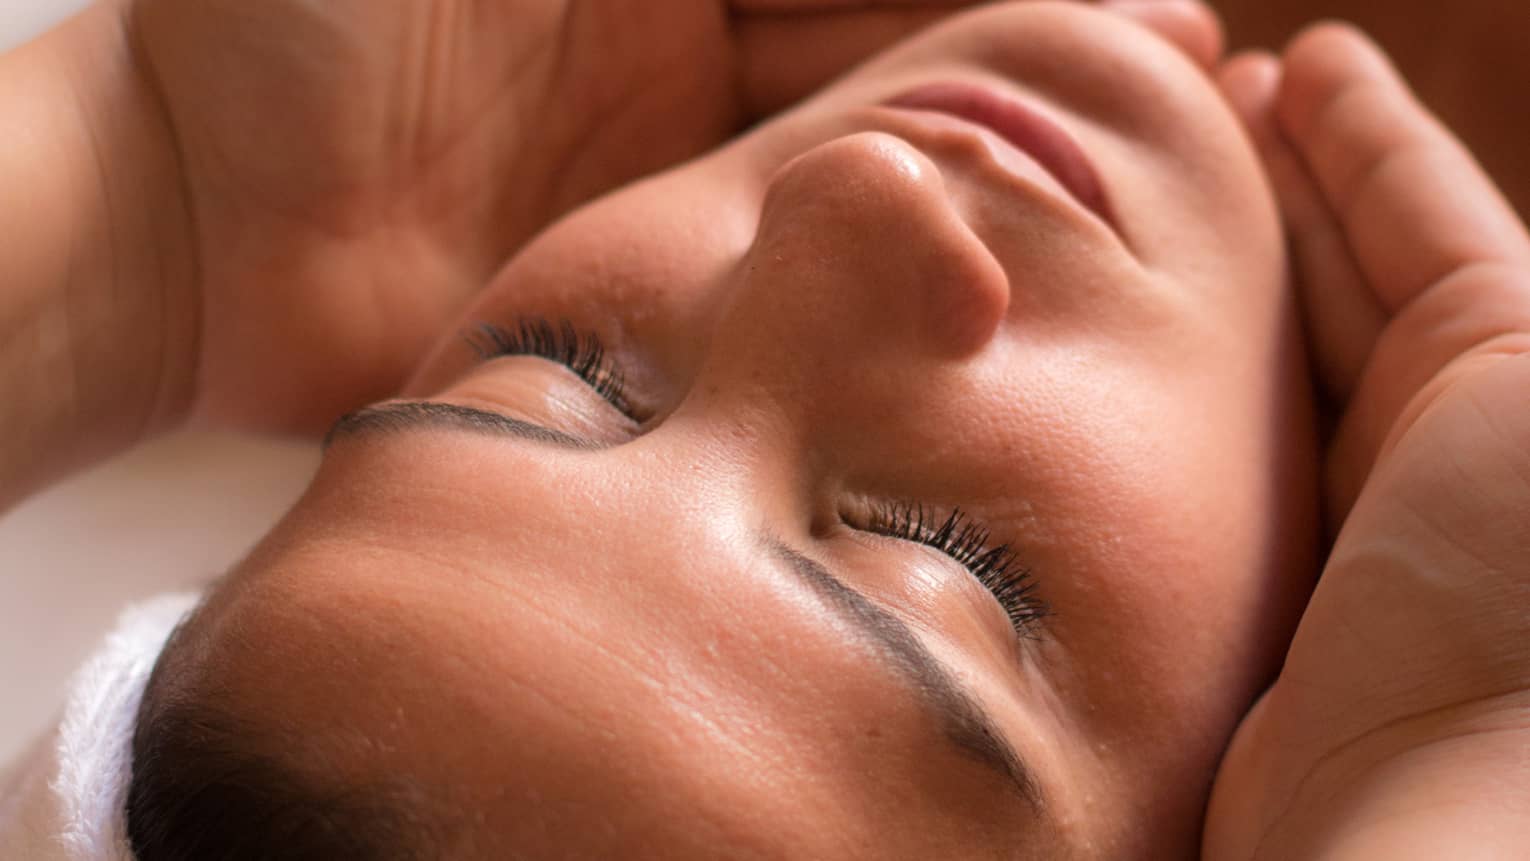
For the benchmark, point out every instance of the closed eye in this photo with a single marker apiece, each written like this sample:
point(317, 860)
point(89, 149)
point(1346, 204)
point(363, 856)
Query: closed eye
point(967, 541)
point(580, 352)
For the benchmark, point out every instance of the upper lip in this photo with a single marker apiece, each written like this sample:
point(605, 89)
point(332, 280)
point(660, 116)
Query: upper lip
point(1027, 129)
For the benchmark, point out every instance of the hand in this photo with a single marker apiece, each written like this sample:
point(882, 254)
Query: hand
point(258, 215)
point(1397, 727)
point(354, 169)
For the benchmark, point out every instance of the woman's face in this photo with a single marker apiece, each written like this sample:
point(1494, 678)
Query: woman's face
point(716, 614)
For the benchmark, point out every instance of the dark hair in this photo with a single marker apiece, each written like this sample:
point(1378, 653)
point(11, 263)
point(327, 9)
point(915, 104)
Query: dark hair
point(208, 785)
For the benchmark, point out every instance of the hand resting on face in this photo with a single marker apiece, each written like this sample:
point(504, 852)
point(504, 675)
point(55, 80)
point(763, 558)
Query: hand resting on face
point(1397, 727)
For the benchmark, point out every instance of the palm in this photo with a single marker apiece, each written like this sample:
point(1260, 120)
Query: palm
point(1416, 278)
point(356, 168)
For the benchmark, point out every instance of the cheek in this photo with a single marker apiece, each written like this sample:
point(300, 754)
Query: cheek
point(1158, 518)
point(1180, 488)
point(1197, 195)
point(643, 268)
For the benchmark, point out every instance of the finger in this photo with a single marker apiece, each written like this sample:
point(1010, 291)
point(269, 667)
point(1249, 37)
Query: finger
point(1444, 255)
point(1342, 317)
point(1475, 316)
point(1413, 202)
point(1189, 25)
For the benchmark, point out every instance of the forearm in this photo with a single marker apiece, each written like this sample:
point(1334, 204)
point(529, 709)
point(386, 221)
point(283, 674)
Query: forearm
point(96, 327)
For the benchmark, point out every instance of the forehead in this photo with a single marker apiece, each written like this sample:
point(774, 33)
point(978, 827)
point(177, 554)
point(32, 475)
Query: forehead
point(743, 706)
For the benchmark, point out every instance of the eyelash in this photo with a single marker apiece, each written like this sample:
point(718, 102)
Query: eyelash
point(957, 536)
point(966, 541)
point(583, 354)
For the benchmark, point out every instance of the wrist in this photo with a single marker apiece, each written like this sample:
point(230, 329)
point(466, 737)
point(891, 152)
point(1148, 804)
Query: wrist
point(99, 310)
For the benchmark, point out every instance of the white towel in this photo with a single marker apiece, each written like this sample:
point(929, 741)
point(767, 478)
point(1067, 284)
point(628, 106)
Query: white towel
point(64, 801)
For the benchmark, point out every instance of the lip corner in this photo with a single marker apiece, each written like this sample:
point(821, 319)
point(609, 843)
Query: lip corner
point(1023, 126)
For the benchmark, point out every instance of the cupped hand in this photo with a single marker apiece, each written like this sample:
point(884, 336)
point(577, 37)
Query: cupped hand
point(1397, 727)
point(352, 170)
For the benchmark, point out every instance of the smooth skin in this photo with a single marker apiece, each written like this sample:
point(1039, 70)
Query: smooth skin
point(600, 650)
point(1462, 59)
point(1397, 729)
point(259, 216)
point(1440, 488)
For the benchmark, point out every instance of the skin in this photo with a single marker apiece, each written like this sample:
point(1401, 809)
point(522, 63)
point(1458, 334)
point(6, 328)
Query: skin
point(386, 156)
point(1461, 58)
point(593, 651)
point(1397, 720)
point(1397, 725)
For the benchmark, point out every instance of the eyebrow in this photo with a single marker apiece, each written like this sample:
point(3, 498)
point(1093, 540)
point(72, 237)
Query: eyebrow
point(399, 416)
point(961, 714)
point(967, 724)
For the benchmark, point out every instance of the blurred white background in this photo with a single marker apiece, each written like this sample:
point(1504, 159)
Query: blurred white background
point(170, 515)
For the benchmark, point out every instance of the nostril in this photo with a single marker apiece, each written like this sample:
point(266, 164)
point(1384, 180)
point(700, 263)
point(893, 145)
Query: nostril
point(859, 238)
point(964, 312)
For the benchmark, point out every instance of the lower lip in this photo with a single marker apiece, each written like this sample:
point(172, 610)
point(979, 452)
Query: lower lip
point(1024, 128)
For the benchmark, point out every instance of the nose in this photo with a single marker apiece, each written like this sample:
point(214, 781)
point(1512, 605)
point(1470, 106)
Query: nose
point(860, 251)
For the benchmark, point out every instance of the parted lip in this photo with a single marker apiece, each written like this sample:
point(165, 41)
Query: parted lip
point(1023, 127)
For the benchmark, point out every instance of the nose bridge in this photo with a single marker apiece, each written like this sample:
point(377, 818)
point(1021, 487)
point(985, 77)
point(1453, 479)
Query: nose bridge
point(859, 250)
point(862, 273)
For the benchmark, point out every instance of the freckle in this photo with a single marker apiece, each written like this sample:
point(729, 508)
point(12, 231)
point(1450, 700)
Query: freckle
point(874, 732)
